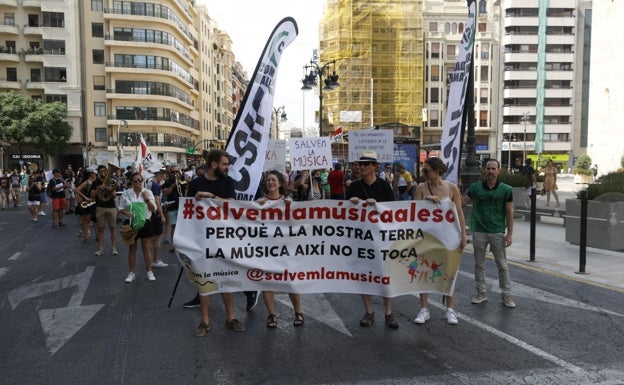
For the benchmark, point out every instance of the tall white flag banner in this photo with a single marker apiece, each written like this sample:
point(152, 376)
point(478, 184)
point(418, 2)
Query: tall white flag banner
point(148, 165)
point(389, 248)
point(451, 135)
point(249, 138)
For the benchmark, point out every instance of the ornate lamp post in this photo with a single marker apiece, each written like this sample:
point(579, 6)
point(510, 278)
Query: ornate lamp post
point(525, 119)
point(280, 116)
point(321, 72)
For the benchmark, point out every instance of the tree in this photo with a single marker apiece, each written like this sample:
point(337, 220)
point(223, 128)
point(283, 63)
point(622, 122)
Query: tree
point(26, 121)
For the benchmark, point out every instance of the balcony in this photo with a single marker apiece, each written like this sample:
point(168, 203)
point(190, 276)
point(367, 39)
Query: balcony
point(10, 84)
point(523, 57)
point(10, 3)
point(522, 75)
point(8, 55)
point(33, 57)
point(521, 39)
point(31, 3)
point(9, 28)
point(35, 85)
point(32, 30)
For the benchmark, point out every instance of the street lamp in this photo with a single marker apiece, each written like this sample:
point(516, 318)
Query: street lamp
point(280, 116)
point(525, 119)
point(119, 149)
point(330, 80)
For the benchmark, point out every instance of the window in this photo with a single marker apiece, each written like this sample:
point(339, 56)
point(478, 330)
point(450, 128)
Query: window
point(435, 95)
point(97, 5)
point(10, 46)
point(435, 73)
point(33, 20)
point(435, 50)
point(450, 50)
point(98, 56)
point(100, 134)
point(482, 27)
point(433, 26)
point(11, 74)
point(54, 47)
point(53, 19)
point(56, 98)
point(35, 75)
point(99, 109)
point(98, 83)
point(483, 118)
point(55, 74)
point(434, 118)
point(454, 28)
point(482, 7)
point(97, 30)
point(447, 28)
point(9, 19)
point(483, 96)
point(485, 73)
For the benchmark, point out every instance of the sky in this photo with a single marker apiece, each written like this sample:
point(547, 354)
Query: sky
point(249, 24)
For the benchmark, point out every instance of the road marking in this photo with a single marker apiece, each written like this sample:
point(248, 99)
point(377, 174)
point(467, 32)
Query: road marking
point(526, 346)
point(15, 256)
point(3, 271)
point(318, 307)
point(520, 290)
point(60, 324)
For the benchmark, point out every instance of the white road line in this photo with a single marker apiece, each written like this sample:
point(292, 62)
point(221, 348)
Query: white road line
point(15, 256)
point(3, 271)
point(533, 349)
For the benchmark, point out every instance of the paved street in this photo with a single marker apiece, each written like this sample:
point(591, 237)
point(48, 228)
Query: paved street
point(67, 317)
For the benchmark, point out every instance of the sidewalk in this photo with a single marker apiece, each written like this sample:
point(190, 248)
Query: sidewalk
point(554, 255)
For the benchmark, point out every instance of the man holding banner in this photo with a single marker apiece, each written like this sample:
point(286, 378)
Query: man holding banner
point(371, 189)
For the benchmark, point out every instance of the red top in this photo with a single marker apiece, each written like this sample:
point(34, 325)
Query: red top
point(335, 179)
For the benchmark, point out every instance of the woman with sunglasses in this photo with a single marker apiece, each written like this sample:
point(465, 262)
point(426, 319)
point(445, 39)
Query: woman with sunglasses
point(435, 189)
point(134, 199)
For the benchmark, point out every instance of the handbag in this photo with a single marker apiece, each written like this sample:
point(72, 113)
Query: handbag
point(128, 235)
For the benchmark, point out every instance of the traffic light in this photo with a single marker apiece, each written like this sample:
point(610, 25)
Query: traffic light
point(191, 150)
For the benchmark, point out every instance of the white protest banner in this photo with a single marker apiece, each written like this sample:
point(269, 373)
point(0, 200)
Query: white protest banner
point(250, 136)
point(275, 156)
point(389, 248)
point(310, 153)
point(380, 141)
point(451, 134)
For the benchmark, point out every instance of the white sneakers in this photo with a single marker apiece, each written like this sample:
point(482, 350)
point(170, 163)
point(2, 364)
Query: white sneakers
point(99, 253)
point(423, 316)
point(114, 251)
point(160, 263)
point(130, 278)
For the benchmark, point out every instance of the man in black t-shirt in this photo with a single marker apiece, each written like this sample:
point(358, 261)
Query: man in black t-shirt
point(103, 191)
point(58, 198)
point(371, 189)
point(171, 189)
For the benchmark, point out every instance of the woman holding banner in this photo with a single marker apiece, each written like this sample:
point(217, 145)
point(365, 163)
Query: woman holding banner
point(435, 189)
point(275, 187)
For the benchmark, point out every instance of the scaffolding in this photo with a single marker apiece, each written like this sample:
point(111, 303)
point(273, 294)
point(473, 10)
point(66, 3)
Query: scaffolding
point(380, 40)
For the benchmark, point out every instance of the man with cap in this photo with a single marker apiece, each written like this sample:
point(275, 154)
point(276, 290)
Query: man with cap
point(371, 189)
point(58, 198)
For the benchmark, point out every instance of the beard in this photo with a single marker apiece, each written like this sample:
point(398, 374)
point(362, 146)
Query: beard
point(219, 174)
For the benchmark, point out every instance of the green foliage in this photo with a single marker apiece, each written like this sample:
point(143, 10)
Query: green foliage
point(610, 184)
point(622, 162)
point(24, 120)
point(583, 165)
point(514, 180)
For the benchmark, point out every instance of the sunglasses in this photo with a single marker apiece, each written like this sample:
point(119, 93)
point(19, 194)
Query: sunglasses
point(137, 180)
point(365, 163)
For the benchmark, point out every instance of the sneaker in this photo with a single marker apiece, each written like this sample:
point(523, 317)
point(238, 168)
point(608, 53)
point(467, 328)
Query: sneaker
point(451, 317)
point(202, 329)
point(62, 224)
point(368, 319)
point(252, 299)
point(508, 301)
point(99, 253)
point(423, 316)
point(235, 325)
point(41, 213)
point(391, 322)
point(150, 276)
point(159, 264)
point(130, 278)
point(192, 304)
point(114, 251)
point(35, 219)
point(478, 298)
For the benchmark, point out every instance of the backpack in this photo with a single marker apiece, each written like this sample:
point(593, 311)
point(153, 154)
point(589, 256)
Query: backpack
point(49, 189)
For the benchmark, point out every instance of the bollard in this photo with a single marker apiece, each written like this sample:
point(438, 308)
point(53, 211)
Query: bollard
point(583, 235)
point(533, 221)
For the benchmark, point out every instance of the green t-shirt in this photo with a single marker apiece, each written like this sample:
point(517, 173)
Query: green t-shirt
point(489, 207)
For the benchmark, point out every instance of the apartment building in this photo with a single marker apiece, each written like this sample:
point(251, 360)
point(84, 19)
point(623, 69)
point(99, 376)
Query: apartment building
point(444, 23)
point(40, 55)
point(539, 72)
point(125, 69)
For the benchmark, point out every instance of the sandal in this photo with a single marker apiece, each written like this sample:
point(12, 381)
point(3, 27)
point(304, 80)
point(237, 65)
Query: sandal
point(298, 319)
point(272, 321)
